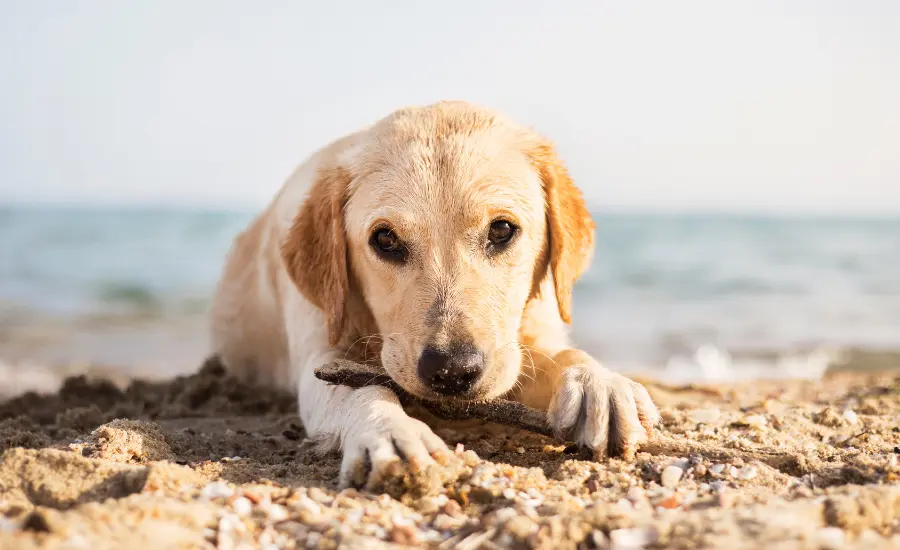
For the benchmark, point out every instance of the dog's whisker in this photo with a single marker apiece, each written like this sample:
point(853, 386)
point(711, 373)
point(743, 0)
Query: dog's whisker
point(530, 361)
point(539, 352)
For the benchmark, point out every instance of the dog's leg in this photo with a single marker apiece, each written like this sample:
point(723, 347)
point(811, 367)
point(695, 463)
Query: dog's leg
point(598, 408)
point(368, 425)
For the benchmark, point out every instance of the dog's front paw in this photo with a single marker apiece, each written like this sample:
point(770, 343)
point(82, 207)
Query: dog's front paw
point(394, 453)
point(602, 410)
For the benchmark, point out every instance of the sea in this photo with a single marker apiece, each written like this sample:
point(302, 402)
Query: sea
point(682, 297)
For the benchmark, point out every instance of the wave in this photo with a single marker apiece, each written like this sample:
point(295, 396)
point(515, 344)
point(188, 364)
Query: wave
point(130, 295)
point(712, 364)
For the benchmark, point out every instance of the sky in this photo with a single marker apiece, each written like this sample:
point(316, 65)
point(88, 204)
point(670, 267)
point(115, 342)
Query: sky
point(734, 106)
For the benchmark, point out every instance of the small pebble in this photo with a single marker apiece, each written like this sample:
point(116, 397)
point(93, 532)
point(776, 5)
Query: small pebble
point(829, 538)
point(671, 476)
point(757, 421)
point(452, 508)
point(309, 506)
point(217, 489)
point(669, 503)
point(242, 506)
point(850, 416)
point(230, 523)
point(470, 458)
point(400, 520)
point(746, 473)
point(505, 514)
point(443, 522)
point(355, 516)
point(636, 494)
point(405, 535)
point(599, 539)
point(520, 527)
point(716, 469)
point(631, 539)
point(276, 512)
point(520, 450)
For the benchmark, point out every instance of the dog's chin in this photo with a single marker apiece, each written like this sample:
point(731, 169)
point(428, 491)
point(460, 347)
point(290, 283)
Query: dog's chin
point(419, 391)
point(471, 396)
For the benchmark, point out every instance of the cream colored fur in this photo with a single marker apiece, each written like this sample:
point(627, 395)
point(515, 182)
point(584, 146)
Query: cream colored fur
point(303, 284)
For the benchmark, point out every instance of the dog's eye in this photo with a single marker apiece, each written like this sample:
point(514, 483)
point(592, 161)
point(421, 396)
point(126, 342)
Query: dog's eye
point(386, 240)
point(388, 245)
point(501, 232)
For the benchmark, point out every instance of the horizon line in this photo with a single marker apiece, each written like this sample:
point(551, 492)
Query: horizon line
point(608, 209)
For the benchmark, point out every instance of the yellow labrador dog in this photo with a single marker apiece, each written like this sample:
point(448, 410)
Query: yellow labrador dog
point(444, 242)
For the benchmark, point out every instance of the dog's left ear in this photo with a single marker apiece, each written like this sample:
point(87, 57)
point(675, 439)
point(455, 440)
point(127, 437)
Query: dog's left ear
point(315, 250)
point(569, 224)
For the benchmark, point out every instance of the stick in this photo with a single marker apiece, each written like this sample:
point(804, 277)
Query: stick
point(511, 413)
point(499, 411)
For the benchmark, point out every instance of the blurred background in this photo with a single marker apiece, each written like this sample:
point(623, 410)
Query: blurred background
point(742, 160)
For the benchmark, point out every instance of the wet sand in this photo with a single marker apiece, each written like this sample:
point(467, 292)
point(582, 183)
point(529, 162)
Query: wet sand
point(205, 461)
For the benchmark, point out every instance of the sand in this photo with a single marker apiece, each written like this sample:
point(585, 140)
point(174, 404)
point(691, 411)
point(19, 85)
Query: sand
point(205, 461)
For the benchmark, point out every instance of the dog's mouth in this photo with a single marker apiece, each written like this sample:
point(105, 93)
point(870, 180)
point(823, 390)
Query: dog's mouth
point(422, 393)
point(360, 375)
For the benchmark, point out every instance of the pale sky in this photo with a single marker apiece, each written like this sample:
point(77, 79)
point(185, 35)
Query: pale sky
point(756, 105)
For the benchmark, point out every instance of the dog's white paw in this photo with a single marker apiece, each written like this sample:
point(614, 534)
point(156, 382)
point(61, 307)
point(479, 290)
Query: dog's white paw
point(602, 410)
point(388, 446)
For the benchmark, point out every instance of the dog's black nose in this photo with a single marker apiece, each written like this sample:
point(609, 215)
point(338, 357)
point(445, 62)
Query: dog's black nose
point(451, 372)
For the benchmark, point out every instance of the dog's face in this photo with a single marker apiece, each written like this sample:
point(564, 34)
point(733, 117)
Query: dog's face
point(446, 219)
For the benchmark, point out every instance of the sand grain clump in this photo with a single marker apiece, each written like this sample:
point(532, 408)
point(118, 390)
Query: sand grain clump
point(61, 479)
point(128, 441)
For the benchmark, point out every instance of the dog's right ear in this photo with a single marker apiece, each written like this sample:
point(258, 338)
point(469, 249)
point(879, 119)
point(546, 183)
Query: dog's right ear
point(315, 250)
point(570, 227)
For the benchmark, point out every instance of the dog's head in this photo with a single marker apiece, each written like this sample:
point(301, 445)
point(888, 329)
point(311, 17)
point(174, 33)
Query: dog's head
point(439, 226)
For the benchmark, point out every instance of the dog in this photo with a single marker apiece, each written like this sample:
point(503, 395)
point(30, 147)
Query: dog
point(444, 242)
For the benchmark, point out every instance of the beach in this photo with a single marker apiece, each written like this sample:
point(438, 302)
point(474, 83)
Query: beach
point(702, 197)
point(204, 461)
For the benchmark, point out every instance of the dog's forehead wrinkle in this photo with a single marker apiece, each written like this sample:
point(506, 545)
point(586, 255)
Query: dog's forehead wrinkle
point(458, 195)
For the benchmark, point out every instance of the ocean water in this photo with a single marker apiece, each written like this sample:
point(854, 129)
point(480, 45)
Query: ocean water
point(686, 297)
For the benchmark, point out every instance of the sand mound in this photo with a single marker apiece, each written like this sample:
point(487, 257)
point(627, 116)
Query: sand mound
point(59, 479)
point(128, 441)
point(205, 461)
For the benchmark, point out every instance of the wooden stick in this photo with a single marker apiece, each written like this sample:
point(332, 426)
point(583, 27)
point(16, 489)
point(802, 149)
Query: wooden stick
point(499, 411)
point(511, 413)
